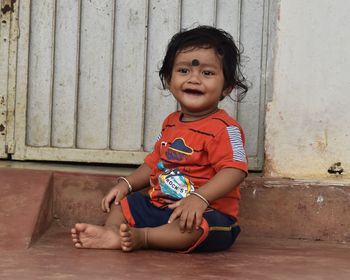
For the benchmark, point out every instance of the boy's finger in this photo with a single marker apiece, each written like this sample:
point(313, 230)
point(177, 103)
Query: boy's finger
point(176, 213)
point(103, 205)
point(168, 201)
point(107, 205)
point(189, 223)
point(108, 201)
point(198, 221)
point(183, 221)
point(118, 198)
point(174, 205)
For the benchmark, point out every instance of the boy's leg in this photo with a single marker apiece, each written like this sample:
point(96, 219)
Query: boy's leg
point(100, 237)
point(115, 218)
point(165, 237)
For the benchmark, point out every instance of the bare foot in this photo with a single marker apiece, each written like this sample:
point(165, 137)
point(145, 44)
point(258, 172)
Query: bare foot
point(132, 238)
point(95, 237)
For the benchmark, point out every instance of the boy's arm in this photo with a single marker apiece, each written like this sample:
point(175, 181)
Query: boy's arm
point(190, 209)
point(221, 184)
point(138, 179)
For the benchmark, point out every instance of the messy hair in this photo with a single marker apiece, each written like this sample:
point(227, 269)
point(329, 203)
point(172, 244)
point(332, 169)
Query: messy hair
point(207, 37)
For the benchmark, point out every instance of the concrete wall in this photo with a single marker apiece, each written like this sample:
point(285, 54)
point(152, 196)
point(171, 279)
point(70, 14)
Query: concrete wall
point(308, 116)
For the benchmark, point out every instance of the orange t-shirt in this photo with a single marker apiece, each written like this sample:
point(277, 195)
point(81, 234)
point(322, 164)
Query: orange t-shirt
point(198, 150)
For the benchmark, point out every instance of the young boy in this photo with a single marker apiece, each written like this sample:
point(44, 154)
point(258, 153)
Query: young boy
point(197, 164)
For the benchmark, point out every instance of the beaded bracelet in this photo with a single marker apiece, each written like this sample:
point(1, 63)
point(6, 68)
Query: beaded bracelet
point(201, 197)
point(126, 181)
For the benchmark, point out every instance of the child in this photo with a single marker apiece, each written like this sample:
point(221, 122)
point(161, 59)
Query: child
point(197, 163)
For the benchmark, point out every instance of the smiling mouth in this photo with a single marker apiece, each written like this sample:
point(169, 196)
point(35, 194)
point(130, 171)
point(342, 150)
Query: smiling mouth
point(193, 92)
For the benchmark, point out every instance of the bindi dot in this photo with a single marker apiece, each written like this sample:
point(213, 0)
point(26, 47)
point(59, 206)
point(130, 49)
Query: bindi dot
point(195, 62)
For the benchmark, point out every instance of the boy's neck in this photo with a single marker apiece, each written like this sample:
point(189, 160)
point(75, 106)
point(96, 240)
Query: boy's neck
point(185, 117)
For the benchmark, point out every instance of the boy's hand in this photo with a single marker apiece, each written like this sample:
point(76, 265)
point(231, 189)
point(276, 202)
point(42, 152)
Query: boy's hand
point(117, 193)
point(190, 211)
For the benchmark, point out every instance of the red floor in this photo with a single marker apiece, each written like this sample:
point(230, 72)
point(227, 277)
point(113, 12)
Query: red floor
point(54, 257)
point(29, 203)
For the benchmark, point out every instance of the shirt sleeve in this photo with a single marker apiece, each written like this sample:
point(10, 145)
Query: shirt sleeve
point(154, 157)
point(227, 149)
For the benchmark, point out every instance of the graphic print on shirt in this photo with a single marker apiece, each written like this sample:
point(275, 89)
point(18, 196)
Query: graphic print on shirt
point(178, 150)
point(173, 183)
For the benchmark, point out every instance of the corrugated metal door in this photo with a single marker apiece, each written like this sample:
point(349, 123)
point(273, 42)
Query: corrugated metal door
point(8, 48)
point(87, 86)
point(4, 35)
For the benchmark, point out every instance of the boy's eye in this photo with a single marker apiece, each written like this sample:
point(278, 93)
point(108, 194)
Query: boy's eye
point(183, 70)
point(208, 73)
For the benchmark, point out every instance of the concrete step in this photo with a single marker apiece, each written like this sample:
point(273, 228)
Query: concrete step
point(25, 206)
point(274, 208)
point(296, 209)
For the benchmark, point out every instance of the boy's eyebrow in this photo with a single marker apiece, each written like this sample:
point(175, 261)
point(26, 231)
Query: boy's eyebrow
point(193, 63)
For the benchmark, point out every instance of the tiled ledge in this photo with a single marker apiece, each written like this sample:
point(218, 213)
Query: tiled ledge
point(277, 208)
point(286, 208)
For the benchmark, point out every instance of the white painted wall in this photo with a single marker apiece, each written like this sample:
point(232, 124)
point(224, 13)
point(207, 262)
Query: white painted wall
point(308, 118)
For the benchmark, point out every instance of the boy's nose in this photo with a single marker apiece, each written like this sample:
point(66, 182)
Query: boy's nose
point(194, 78)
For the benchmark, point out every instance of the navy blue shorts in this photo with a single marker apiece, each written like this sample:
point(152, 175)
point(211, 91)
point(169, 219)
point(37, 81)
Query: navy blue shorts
point(219, 231)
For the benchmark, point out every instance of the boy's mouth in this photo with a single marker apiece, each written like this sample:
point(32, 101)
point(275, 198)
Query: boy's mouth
point(193, 91)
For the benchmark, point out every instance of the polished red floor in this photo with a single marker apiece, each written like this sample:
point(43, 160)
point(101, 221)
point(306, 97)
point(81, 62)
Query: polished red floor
point(32, 214)
point(54, 257)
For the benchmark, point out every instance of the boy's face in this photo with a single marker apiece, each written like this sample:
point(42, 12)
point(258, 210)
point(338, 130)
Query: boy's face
point(197, 82)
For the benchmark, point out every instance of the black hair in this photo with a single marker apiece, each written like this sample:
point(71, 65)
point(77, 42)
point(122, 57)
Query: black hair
point(207, 37)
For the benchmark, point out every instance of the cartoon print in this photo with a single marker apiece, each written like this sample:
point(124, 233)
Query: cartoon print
point(173, 183)
point(178, 150)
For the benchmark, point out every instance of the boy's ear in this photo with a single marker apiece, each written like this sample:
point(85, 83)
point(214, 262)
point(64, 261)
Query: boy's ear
point(227, 91)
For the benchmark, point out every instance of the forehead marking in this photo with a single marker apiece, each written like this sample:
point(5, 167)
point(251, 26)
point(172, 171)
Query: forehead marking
point(195, 62)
